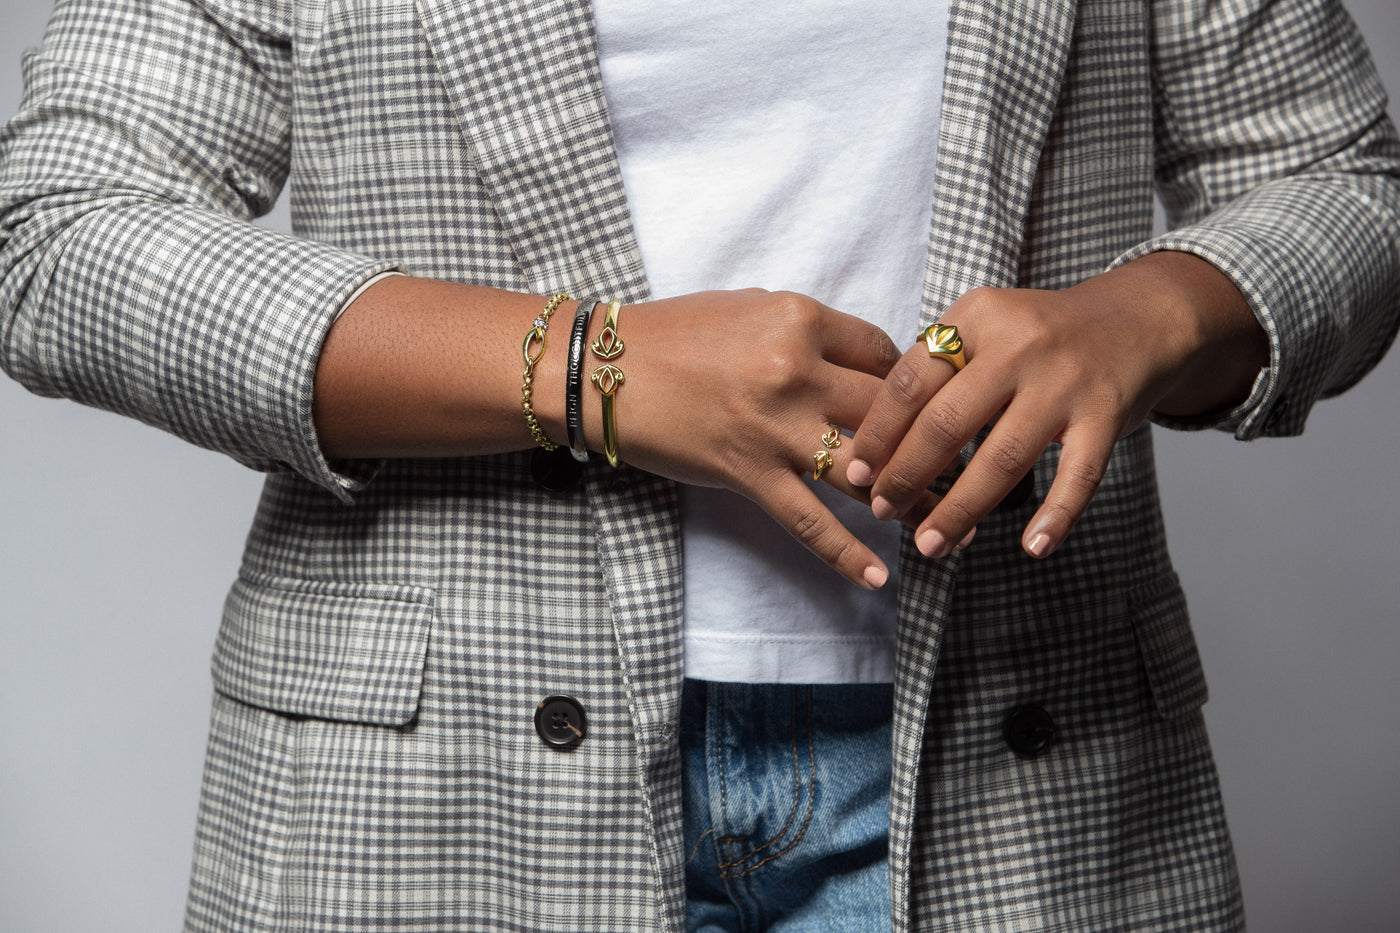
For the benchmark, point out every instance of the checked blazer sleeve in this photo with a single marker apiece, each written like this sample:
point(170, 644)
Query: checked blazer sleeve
point(1277, 163)
point(150, 134)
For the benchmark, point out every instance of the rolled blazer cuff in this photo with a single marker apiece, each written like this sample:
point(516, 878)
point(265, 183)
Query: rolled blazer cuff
point(1323, 279)
point(202, 325)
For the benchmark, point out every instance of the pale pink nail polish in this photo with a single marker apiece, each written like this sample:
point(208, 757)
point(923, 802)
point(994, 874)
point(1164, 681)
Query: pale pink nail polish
point(858, 473)
point(884, 509)
point(876, 577)
point(932, 544)
point(1039, 545)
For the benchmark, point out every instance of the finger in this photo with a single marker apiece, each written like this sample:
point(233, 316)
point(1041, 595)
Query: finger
point(1009, 453)
point(911, 383)
point(857, 344)
point(796, 507)
point(1084, 459)
point(939, 431)
point(835, 477)
point(845, 396)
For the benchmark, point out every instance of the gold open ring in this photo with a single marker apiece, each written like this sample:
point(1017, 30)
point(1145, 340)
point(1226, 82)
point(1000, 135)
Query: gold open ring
point(821, 462)
point(943, 341)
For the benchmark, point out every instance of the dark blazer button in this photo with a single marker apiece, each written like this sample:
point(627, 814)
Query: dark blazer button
point(555, 470)
point(560, 721)
point(1029, 730)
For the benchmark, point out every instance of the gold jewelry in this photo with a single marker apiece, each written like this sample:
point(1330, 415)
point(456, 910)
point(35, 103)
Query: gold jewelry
point(527, 387)
point(609, 378)
point(832, 438)
point(943, 341)
point(821, 462)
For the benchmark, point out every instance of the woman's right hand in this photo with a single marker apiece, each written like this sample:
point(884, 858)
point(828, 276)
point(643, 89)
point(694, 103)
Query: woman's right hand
point(736, 389)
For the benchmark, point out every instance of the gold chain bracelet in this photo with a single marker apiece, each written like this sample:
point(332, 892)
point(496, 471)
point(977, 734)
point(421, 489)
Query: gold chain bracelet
point(534, 340)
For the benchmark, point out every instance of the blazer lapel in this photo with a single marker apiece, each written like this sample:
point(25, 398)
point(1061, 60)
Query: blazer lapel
point(1006, 60)
point(1005, 63)
point(524, 78)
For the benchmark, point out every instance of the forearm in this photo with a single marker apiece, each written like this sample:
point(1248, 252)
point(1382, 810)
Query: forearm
point(425, 368)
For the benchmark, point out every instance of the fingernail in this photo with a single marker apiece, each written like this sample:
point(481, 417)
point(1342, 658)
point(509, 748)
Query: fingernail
point(884, 509)
point(858, 473)
point(967, 539)
point(932, 544)
point(876, 577)
point(1040, 545)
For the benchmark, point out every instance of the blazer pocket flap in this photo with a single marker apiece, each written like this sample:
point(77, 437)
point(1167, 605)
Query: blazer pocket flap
point(351, 652)
point(1168, 647)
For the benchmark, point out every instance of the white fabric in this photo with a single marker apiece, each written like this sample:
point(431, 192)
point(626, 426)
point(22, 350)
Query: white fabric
point(785, 146)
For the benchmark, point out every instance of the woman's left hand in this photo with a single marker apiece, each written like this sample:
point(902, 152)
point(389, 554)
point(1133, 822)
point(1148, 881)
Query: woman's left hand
point(1082, 367)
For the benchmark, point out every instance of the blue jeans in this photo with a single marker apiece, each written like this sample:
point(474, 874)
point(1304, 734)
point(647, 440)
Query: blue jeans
point(786, 806)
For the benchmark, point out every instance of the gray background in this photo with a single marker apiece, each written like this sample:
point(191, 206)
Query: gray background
point(117, 544)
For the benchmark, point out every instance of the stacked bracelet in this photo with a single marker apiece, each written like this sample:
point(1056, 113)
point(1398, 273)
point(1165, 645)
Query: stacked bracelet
point(573, 382)
point(533, 349)
point(608, 378)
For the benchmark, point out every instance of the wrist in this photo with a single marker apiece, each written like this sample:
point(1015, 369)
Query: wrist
point(1210, 343)
point(551, 382)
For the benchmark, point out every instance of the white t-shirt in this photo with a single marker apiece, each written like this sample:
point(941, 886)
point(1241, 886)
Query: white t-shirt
point(783, 146)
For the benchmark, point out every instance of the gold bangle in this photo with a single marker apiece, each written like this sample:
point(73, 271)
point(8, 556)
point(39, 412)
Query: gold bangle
point(534, 340)
point(608, 378)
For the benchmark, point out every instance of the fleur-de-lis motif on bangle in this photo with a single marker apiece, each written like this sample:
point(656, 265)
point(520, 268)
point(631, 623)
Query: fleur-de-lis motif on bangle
point(608, 378)
point(608, 345)
point(821, 462)
point(832, 438)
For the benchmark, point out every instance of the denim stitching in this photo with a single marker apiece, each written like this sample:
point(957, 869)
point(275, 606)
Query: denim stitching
point(796, 800)
point(725, 867)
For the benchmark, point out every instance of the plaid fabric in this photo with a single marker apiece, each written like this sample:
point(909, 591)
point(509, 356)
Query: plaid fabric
point(373, 763)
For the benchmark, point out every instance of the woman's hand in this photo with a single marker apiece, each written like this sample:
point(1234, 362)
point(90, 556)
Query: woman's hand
point(736, 389)
point(1082, 367)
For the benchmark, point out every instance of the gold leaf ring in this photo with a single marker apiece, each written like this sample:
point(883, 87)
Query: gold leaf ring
point(943, 341)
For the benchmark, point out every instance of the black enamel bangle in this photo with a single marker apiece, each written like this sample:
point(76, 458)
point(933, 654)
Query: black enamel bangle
point(573, 381)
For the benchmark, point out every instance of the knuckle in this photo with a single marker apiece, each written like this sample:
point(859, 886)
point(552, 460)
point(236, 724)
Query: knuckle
point(943, 422)
point(1107, 404)
point(883, 349)
point(1061, 513)
point(795, 310)
point(1082, 475)
point(977, 301)
point(792, 320)
point(786, 367)
point(957, 514)
point(1009, 456)
point(906, 383)
point(807, 526)
point(837, 552)
point(898, 484)
point(874, 438)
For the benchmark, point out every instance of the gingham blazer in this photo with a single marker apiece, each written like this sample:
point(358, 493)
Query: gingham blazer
point(373, 762)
